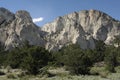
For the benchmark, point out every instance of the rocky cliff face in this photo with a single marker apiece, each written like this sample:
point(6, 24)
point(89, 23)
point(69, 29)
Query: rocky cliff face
point(17, 28)
point(82, 27)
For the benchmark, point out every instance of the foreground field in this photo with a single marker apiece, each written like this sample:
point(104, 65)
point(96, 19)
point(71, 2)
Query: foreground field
point(112, 76)
point(98, 73)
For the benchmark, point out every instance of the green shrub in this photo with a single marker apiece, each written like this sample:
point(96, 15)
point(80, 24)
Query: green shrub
point(30, 58)
point(14, 57)
point(2, 55)
point(117, 69)
point(36, 58)
point(22, 74)
point(111, 58)
point(11, 76)
point(97, 70)
point(2, 73)
point(99, 51)
point(75, 59)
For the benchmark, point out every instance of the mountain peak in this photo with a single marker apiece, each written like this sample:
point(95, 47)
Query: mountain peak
point(3, 9)
point(83, 28)
point(5, 15)
point(24, 15)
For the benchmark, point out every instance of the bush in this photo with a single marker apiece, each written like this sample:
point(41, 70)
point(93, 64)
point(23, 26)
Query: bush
point(21, 74)
point(16, 55)
point(2, 73)
point(111, 58)
point(30, 58)
point(117, 69)
point(99, 51)
point(14, 58)
point(2, 55)
point(11, 76)
point(75, 60)
point(97, 70)
point(36, 58)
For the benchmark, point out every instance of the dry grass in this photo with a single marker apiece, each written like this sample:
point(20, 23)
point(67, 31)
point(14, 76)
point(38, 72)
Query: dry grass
point(103, 76)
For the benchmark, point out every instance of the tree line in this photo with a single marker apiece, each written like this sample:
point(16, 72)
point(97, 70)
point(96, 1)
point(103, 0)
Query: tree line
point(78, 61)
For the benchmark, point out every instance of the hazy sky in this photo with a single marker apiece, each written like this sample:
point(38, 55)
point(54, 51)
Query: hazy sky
point(43, 11)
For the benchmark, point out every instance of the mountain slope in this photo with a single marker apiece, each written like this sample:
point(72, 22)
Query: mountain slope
point(17, 28)
point(82, 28)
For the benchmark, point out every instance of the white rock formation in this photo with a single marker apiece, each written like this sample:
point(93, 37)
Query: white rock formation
point(18, 28)
point(81, 28)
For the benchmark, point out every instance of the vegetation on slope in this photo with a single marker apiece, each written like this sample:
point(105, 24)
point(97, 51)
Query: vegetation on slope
point(33, 59)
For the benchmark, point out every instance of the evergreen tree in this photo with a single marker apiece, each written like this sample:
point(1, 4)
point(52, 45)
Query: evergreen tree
point(111, 58)
point(76, 60)
point(100, 49)
point(36, 58)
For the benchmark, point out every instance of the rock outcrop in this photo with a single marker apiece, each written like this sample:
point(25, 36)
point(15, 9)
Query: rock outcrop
point(17, 28)
point(81, 28)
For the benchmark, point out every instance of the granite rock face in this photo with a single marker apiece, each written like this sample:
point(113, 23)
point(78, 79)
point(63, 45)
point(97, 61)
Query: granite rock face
point(81, 28)
point(17, 28)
